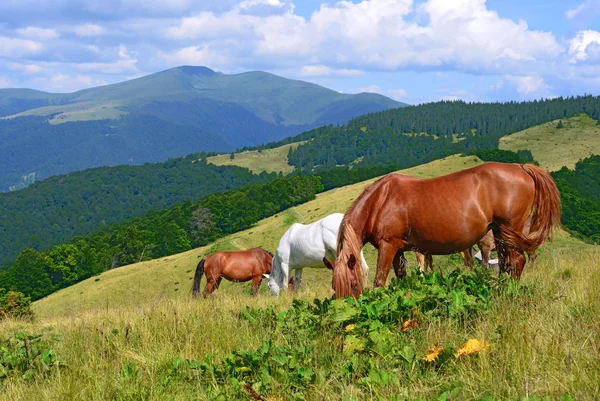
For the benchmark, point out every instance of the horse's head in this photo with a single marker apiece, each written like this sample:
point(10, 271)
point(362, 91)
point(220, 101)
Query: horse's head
point(348, 270)
point(275, 278)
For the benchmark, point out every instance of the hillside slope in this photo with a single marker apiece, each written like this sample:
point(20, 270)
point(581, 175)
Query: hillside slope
point(554, 147)
point(166, 114)
point(170, 277)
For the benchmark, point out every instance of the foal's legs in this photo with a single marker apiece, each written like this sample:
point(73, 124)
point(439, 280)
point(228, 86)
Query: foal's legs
point(399, 264)
point(425, 261)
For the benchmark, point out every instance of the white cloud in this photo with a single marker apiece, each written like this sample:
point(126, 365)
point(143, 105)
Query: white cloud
point(125, 63)
point(323, 70)
point(246, 4)
point(196, 55)
point(89, 30)
point(395, 94)
point(69, 83)
point(38, 33)
point(209, 25)
point(527, 85)
point(584, 45)
point(381, 34)
point(30, 69)
point(11, 47)
point(585, 9)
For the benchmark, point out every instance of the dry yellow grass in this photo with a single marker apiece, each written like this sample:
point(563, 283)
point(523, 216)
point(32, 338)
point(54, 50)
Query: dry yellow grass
point(554, 148)
point(269, 160)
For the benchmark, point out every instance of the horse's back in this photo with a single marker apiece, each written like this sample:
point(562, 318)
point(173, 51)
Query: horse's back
point(306, 245)
point(446, 213)
point(240, 265)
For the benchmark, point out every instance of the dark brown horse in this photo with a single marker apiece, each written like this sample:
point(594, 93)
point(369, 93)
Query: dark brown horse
point(236, 266)
point(444, 215)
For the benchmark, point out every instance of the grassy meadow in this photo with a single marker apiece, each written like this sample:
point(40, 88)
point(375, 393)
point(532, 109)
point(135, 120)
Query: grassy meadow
point(269, 160)
point(135, 333)
point(555, 147)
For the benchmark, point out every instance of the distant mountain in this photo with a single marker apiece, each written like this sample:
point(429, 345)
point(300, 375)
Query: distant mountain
point(167, 114)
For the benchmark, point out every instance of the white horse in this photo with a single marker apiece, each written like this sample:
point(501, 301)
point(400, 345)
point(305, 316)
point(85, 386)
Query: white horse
point(305, 246)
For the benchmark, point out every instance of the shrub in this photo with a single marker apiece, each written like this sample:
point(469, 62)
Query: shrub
point(14, 304)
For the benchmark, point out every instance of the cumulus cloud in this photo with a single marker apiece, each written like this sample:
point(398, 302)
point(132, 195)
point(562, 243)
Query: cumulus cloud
point(585, 45)
point(35, 32)
point(12, 47)
point(528, 84)
point(336, 39)
point(195, 55)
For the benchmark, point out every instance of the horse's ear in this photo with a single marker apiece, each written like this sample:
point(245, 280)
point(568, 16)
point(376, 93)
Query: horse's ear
point(351, 261)
point(328, 263)
point(267, 276)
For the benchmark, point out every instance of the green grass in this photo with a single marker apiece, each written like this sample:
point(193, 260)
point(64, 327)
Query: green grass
point(269, 160)
point(555, 147)
point(127, 333)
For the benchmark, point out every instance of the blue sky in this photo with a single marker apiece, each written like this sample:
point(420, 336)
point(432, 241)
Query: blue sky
point(413, 51)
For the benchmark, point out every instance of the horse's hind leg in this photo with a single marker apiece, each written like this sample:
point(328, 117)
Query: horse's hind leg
point(256, 280)
point(400, 263)
point(296, 280)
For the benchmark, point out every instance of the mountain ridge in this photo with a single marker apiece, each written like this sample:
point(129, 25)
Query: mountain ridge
point(167, 114)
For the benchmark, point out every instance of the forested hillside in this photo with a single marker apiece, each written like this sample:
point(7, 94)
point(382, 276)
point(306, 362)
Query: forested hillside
point(418, 134)
point(61, 207)
point(580, 196)
point(158, 233)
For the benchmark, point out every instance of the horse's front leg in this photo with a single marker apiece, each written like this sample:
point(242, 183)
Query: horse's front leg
point(296, 280)
point(400, 263)
point(385, 257)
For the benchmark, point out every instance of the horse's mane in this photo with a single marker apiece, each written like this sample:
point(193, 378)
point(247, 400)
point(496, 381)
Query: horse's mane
point(341, 281)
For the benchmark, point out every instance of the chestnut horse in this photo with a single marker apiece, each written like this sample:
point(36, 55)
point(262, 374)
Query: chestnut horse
point(236, 266)
point(444, 215)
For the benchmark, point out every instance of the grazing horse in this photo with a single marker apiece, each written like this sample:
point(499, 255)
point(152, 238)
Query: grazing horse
point(236, 266)
point(305, 246)
point(444, 215)
point(486, 245)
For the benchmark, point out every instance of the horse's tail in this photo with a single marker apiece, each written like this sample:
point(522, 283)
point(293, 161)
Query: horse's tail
point(348, 272)
point(197, 278)
point(545, 213)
